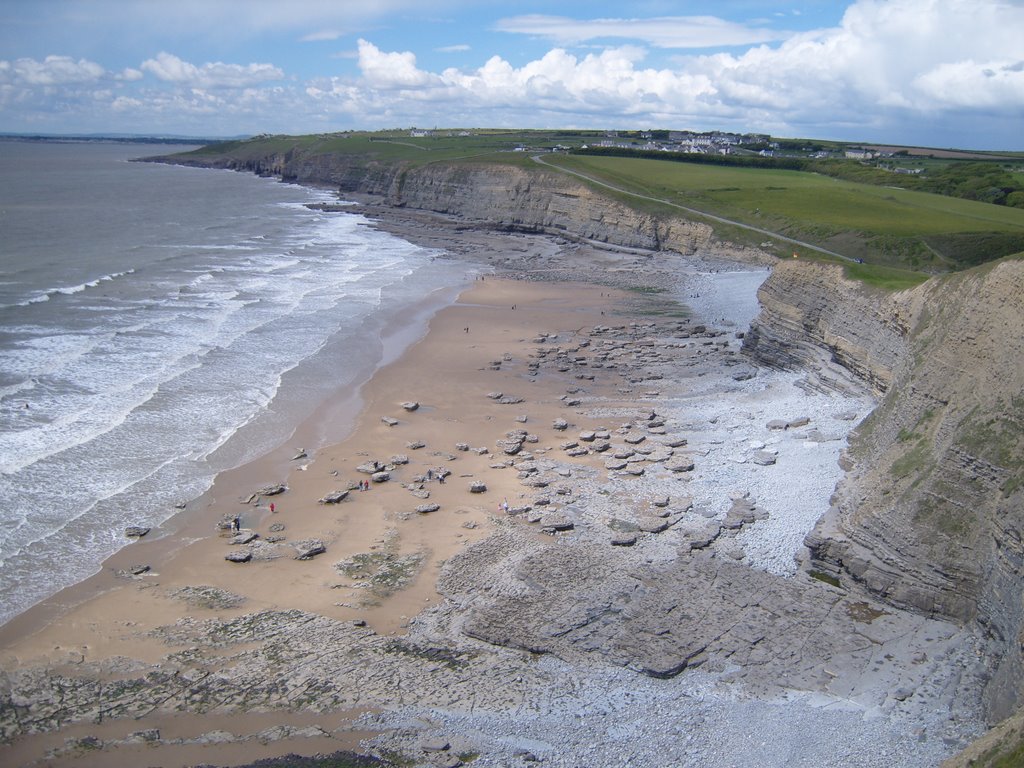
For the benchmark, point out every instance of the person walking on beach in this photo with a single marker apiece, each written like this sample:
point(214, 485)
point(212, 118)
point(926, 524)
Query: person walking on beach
point(272, 508)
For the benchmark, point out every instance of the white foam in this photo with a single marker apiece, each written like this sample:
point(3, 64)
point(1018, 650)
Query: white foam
point(138, 407)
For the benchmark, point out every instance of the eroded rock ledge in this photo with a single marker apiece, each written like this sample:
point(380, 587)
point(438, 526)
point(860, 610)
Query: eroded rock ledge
point(930, 516)
point(500, 197)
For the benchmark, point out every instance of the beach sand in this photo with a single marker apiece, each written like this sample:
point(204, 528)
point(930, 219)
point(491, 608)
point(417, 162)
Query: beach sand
point(448, 374)
point(391, 633)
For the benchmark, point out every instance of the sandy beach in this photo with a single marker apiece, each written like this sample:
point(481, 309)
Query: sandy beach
point(548, 449)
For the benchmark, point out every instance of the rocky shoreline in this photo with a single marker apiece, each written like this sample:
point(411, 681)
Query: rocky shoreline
point(636, 600)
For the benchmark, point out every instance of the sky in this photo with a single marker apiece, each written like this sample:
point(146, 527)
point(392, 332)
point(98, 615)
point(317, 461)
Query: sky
point(938, 73)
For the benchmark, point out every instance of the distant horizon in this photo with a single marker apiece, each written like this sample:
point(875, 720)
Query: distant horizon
point(904, 72)
point(186, 138)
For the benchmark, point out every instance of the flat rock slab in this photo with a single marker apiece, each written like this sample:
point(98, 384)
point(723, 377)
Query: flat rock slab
point(307, 549)
point(679, 464)
point(272, 490)
point(660, 619)
point(553, 522)
point(335, 497)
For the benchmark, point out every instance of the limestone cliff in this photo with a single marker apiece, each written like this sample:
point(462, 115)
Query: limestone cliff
point(487, 194)
point(931, 514)
point(814, 319)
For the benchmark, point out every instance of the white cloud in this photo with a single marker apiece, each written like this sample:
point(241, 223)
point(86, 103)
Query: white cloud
point(322, 35)
point(972, 84)
point(897, 69)
point(886, 63)
point(453, 48)
point(912, 55)
point(232, 20)
point(661, 32)
point(125, 103)
point(170, 68)
point(53, 70)
point(392, 70)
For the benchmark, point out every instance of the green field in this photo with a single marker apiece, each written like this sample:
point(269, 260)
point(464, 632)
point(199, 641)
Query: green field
point(399, 146)
point(881, 225)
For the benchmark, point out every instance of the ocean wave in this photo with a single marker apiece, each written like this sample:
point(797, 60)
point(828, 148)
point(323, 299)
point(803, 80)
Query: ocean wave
point(73, 289)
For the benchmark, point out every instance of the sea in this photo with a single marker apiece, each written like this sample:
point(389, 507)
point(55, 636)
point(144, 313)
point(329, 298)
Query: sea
point(160, 324)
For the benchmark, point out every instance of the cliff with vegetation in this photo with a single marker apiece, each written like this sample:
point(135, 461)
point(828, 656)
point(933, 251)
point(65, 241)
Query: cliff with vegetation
point(931, 514)
point(501, 196)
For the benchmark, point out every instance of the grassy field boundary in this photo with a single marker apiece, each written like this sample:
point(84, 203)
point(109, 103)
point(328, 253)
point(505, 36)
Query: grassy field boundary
point(695, 212)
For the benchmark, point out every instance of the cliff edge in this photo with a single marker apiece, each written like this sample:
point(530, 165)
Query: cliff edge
point(930, 514)
point(495, 195)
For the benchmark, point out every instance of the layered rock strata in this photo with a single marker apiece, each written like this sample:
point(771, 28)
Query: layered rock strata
point(930, 516)
point(813, 318)
point(499, 196)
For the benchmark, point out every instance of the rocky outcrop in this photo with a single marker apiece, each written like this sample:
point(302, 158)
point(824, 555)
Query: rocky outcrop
point(931, 514)
point(506, 197)
point(812, 318)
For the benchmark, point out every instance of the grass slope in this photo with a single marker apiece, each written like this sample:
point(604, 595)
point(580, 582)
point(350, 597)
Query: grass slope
point(889, 225)
point(885, 226)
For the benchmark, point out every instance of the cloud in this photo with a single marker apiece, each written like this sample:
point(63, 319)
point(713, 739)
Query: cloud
point(973, 84)
point(453, 48)
point(660, 32)
point(389, 71)
point(885, 65)
point(53, 70)
point(893, 70)
point(322, 35)
point(171, 69)
point(918, 56)
point(233, 20)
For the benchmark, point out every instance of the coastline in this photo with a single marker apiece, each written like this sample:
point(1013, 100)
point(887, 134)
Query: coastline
point(109, 616)
point(330, 422)
point(417, 644)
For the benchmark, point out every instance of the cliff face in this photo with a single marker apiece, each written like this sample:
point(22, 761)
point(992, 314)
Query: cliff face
point(813, 318)
point(502, 196)
point(931, 514)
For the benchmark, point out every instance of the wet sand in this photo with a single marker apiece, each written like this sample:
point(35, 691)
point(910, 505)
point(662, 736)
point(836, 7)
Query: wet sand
point(448, 375)
point(420, 625)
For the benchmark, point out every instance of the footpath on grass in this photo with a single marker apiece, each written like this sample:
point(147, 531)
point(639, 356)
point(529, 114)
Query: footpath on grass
point(696, 212)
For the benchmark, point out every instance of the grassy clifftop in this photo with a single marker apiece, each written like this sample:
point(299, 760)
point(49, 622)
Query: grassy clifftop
point(882, 225)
